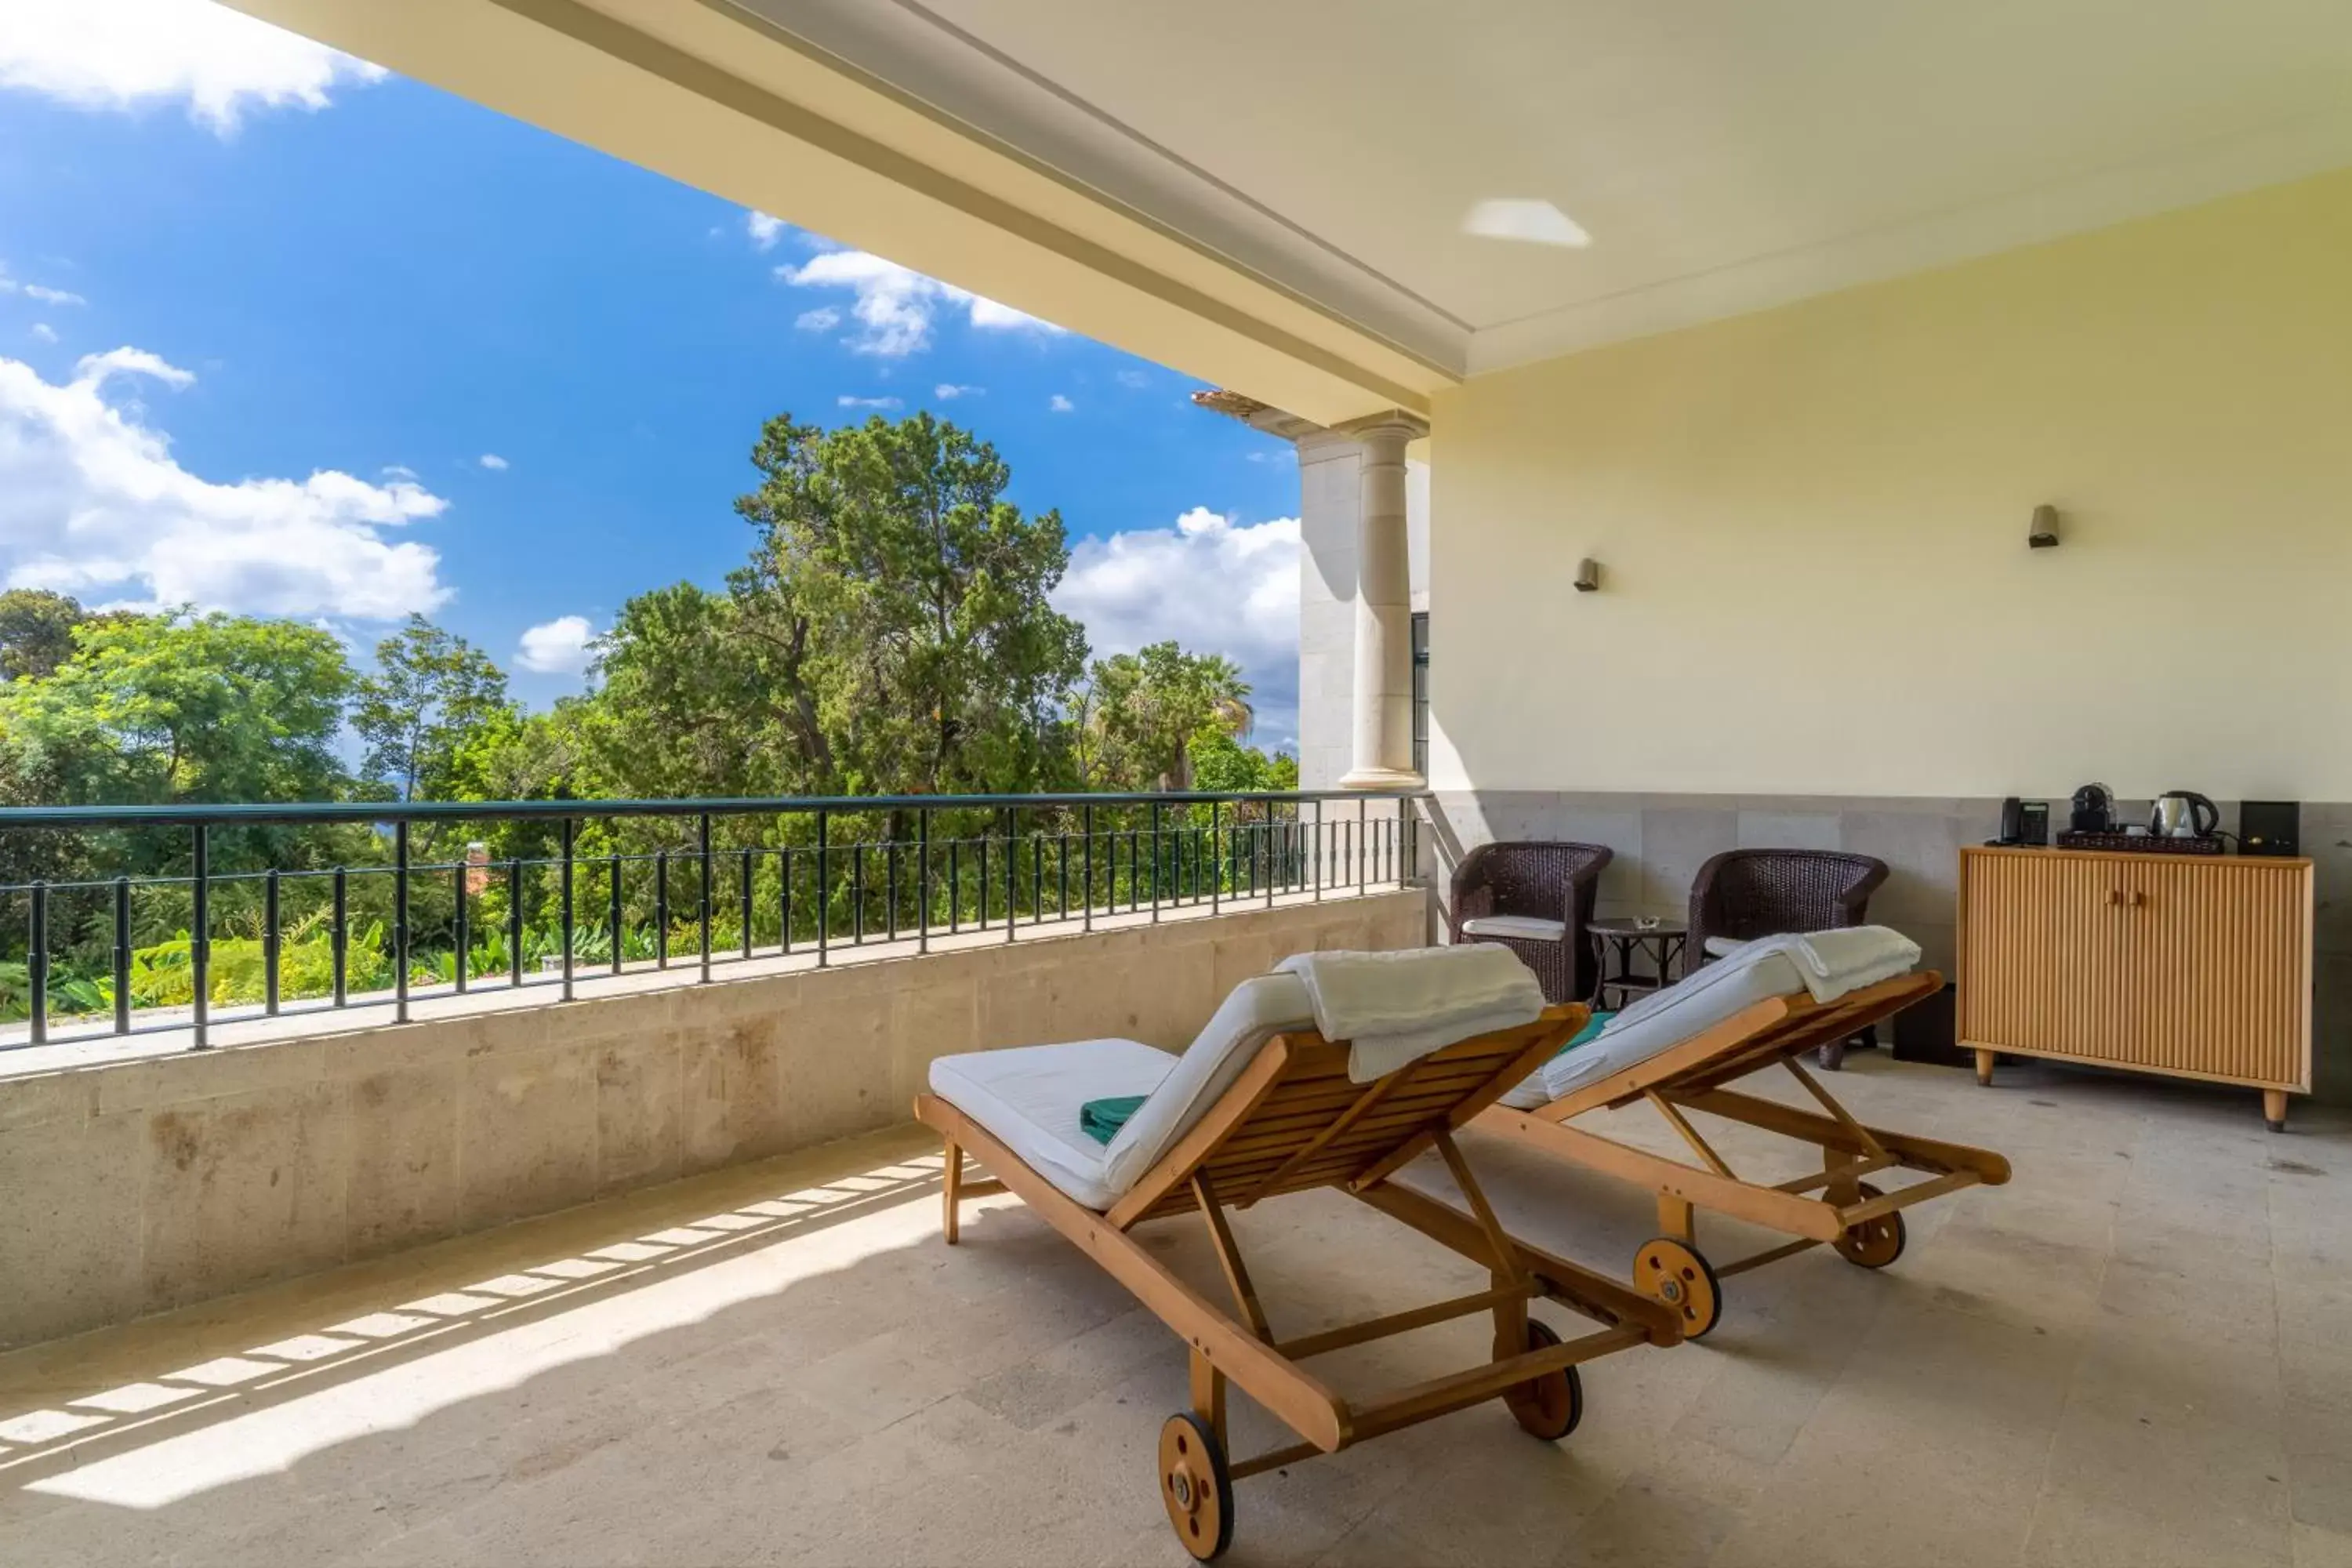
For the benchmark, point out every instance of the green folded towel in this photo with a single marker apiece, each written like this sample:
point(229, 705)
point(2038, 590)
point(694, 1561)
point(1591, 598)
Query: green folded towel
point(1592, 1031)
point(1101, 1119)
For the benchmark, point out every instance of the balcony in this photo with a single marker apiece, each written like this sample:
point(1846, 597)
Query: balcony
point(2132, 1356)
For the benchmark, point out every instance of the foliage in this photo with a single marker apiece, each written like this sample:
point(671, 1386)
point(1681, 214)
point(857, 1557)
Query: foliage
point(431, 696)
point(901, 608)
point(1138, 718)
point(153, 709)
point(35, 632)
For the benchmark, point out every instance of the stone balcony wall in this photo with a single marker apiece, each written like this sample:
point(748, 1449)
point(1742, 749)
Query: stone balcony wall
point(134, 1186)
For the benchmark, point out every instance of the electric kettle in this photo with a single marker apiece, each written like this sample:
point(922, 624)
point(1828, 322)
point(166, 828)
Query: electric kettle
point(2184, 814)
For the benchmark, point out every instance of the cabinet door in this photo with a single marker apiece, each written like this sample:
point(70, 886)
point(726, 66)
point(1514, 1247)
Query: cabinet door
point(2215, 968)
point(2041, 945)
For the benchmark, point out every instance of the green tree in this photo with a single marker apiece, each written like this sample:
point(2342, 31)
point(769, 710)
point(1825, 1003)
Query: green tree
point(901, 608)
point(431, 695)
point(35, 632)
point(1221, 763)
point(1138, 717)
point(160, 709)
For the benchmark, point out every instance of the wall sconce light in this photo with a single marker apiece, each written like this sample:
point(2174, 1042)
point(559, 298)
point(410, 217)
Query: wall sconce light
point(1588, 575)
point(2042, 533)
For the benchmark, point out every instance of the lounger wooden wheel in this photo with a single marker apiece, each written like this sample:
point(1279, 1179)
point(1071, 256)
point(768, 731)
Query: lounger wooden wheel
point(1874, 1242)
point(1680, 1276)
point(1549, 1406)
point(1196, 1484)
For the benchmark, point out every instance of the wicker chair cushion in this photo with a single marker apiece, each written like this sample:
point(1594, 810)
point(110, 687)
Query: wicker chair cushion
point(1527, 927)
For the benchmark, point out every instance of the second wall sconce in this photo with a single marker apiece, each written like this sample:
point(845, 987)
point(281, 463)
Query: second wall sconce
point(1588, 575)
point(2042, 533)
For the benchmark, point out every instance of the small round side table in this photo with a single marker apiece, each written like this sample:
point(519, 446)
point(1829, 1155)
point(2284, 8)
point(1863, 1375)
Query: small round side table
point(1660, 941)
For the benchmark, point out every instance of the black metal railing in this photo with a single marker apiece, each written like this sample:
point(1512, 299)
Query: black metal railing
point(246, 912)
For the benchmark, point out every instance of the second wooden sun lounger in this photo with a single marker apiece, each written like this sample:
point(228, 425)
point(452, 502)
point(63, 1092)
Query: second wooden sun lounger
point(1262, 1106)
point(1835, 1206)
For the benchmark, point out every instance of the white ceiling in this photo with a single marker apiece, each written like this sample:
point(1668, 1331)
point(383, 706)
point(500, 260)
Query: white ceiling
point(1724, 154)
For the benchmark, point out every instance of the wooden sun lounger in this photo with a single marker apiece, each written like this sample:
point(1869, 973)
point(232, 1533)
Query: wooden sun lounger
point(1293, 1122)
point(1837, 1206)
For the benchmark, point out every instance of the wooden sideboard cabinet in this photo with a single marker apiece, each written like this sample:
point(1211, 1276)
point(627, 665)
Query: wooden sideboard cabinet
point(2197, 966)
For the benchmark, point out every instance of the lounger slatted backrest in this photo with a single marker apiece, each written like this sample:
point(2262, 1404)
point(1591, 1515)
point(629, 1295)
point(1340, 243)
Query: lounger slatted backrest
point(1778, 1026)
point(1295, 1120)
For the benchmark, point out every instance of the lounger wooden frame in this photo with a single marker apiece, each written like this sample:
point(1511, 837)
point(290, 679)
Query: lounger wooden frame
point(1293, 1122)
point(1833, 1206)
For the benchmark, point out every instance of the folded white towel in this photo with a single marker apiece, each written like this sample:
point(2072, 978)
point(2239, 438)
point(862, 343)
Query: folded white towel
point(1393, 1008)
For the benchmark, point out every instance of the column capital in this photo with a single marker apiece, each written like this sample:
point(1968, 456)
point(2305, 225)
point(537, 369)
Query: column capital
point(1392, 424)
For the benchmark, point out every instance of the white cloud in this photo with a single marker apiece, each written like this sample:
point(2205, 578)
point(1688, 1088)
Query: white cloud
point(46, 333)
point(397, 471)
point(1134, 378)
point(894, 306)
point(763, 229)
point(845, 401)
point(52, 296)
point(1061, 405)
point(948, 391)
point(1215, 585)
point(93, 504)
point(495, 463)
point(558, 647)
point(129, 54)
point(824, 318)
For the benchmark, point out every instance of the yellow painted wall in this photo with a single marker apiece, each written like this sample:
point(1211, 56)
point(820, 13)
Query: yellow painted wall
point(1812, 528)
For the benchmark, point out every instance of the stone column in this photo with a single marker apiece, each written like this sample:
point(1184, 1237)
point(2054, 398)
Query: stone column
point(1384, 695)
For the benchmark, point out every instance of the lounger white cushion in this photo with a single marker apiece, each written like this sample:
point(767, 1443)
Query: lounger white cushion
point(1527, 927)
point(1826, 965)
point(1724, 946)
point(1029, 1096)
point(1661, 1020)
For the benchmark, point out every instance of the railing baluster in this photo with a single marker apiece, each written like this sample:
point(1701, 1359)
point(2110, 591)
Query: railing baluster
point(984, 882)
point(743, 901)
point(565, 834)
point(1036, 877)
point(891, 889)
point(923, 876)
point(784, 901)
point(702, 849)
point(613, 894)
point(1217, 877)
point(1012, 869)
point(271, 940)
point(823, 892)
point(661, 909)
point(1363, 844)
point(1062, 874)
point(955, 886)
point(858, 893)
point(514, 920)
point(1155, 862)
point(1318, 851)
point(1087, 825)
point(400, 921)
point(37, 965)
point(463, 933)
point(340, 944)
point(122, 953)
point(200, 941)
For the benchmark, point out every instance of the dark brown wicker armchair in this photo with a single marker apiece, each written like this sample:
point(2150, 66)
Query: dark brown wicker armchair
point(1536, 899)
point(1742, 894)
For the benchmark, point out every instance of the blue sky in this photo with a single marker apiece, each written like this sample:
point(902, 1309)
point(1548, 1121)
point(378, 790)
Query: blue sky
point(281, 334)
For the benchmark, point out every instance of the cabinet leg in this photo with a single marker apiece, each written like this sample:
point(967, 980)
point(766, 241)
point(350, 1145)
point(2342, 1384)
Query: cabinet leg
point(1984, 1067)
point(2274, 1109)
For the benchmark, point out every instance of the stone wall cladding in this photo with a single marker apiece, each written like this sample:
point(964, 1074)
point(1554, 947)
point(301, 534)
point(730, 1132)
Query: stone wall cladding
point(136, 1187)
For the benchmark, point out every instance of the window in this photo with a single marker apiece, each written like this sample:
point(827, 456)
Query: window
point(1421, 693)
